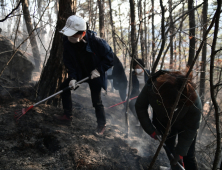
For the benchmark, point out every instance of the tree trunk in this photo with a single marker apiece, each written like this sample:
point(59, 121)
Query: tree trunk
point(180, 39)
point(94, 19)
point(163, 58)
point(141, 30)
point(113, 28)
point(24, 35)
point(101, 19)
point(145, 35)
point(54, 72)
point(121, 31)
point(212, 88)
point(153, 34)
point(148, 46)
point(175, 56)
point(56, 7)
point(35, 50)
point(191, 32)
point(90, 12)
point(162, 37)
point(133, 29)
point(204, 52)
point(129, 37)
point(171, 35)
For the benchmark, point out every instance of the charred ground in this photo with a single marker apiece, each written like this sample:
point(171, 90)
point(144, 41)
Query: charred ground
point(36, 141)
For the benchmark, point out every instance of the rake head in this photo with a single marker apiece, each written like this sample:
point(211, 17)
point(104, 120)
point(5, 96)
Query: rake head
point(19, 113)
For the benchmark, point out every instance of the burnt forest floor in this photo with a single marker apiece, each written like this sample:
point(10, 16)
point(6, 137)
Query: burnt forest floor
point(36, 141)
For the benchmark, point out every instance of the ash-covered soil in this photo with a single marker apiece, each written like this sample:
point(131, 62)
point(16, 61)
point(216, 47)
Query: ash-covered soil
point(36, 141)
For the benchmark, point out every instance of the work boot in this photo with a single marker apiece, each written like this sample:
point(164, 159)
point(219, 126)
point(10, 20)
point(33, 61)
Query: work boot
point(64, 119)
point(100, 130)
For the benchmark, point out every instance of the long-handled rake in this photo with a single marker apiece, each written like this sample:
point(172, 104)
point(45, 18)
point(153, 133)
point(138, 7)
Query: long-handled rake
point(18, 114)
point(120, 103)
point(168, 150)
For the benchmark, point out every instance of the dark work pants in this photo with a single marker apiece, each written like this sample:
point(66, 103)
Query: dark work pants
point(95, 89)
point(190, 162)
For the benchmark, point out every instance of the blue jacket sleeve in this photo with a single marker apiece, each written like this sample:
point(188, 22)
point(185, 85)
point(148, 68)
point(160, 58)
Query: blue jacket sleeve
point(105, 52)
point(67, 60)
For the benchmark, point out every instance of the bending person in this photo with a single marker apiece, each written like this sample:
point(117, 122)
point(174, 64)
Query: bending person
point(85, 55)
point(160, 92)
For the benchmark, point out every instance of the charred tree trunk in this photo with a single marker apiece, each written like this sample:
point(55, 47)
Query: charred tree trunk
point(191, 32)
point(204, 52)
point(113, 28)
point(35, 50)
point(101, 19)
point(133, 29)
point(54, 72)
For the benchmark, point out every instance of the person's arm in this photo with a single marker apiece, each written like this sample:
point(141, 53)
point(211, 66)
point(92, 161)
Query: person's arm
point(141, 106)
point(105, 52)
point(66, 59)
point(191, 126)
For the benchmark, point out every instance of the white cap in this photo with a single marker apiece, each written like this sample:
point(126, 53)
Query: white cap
point(73, 25)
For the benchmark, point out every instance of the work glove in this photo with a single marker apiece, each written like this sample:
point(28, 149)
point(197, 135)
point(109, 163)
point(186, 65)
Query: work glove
point(72, 83)
point(177, 158)
point(95, 74)
point(155, 134)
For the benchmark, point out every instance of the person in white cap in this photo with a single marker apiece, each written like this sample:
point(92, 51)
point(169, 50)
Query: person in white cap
point(85, 55)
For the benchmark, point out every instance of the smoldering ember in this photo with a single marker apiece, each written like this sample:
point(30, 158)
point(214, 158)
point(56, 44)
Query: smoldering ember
point(120, 85)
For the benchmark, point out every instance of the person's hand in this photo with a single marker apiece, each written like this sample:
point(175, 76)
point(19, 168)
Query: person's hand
point(177, 158)
point(156, 135)
point(95, 74)
point(72, 83)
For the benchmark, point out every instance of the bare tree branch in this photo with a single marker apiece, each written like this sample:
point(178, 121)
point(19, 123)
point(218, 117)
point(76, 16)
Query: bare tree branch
point(163, 38)
point(216, 107)
point(11, 11)
point(180, 92)
point(22, 42)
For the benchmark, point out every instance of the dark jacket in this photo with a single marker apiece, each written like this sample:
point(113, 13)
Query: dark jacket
point(186, 118)
point(102, 57)
point(135, 83)
point(118, 74)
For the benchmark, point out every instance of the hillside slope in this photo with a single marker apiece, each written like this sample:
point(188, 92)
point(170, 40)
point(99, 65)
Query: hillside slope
point(36, 141)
